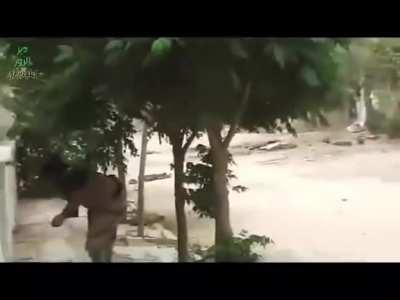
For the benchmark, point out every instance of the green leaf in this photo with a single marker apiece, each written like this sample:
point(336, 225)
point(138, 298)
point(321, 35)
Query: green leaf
point(112, 58)
point(150, 60)
point(161, 47)
point(279, 55)
point(310, 76)
point(66, 52)
point(113, 45)
point(72, 69)
point(236, 81)
point(237, 49)
point(180, 42)
point(3, 50)
point(319, 40)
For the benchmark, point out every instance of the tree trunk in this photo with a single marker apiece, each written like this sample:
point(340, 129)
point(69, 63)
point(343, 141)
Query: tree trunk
point(220, 156)
point(120, 163)
point(179, 157)
point(120, 167)
point(361, 103)
point(223, 228)
point(142, 167)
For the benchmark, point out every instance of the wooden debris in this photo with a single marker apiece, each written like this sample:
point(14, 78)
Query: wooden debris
point(152, 177)
point(152, 152)
point(260, 145)
point(342, 143)
point(278, 146)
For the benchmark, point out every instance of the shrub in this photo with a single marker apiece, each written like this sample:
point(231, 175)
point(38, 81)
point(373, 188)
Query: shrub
point(393, 127)
point(239, 249)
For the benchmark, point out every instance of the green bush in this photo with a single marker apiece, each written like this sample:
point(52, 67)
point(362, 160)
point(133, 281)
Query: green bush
point(239, 249)
point(376, 121)
point(393, 127)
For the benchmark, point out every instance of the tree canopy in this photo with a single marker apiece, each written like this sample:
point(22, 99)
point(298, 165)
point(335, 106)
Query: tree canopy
point(94, 88)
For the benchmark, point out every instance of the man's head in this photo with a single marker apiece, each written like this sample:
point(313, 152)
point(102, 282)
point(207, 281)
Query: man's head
point(54, 168)
point(66, 177)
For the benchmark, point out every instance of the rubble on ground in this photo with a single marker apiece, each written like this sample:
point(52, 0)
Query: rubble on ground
point(149, 219)
point(157, 245)
point(355, 128)
point(360, 140)
point(326, 140)
point(151, 253)
point(372, 137)
point(155, 231)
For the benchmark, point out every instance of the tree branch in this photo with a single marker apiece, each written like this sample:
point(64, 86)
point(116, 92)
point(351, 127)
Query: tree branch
point(189, 142)
point(236, 120)
point(213, 139)
point(147, 113)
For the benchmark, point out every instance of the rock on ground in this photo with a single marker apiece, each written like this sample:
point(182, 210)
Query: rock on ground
point(150, 253)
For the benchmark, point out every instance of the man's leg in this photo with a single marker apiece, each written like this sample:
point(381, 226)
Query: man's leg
point(108, 254)
point(95, 256)
point(102, 233)
point(101, 256)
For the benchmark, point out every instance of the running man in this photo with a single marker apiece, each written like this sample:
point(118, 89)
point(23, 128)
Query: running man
point(104, 197)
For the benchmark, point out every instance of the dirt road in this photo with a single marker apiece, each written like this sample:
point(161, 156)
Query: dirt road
point(318, 202)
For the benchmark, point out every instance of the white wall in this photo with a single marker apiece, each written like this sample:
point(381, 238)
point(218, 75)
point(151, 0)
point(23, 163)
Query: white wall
point(8, 199)
point(8, 190)
point(6, 120)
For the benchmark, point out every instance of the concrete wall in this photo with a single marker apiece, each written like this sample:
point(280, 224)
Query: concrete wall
point(3, 216)
point(8, 199)
point(8, 186)
point(6, 120)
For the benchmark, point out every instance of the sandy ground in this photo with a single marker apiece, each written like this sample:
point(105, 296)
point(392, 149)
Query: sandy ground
point(318, 202)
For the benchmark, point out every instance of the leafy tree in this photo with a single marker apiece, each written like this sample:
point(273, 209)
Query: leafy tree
point(252, 83)
point(155, 78)
point(200, 190)
point(195, 85)
point(241, 82)
point(67, 111)
point(371, 64)
point(86, 88)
